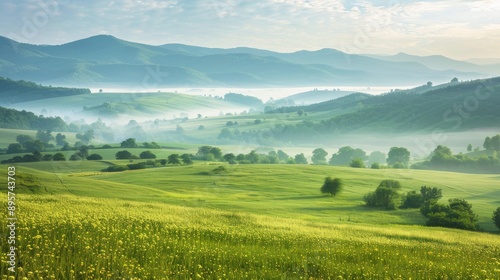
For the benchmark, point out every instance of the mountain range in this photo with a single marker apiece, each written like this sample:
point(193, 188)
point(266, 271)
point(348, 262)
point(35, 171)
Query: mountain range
point(104, 60)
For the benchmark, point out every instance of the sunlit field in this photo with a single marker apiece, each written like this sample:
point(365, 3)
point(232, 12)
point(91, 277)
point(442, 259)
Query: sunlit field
point(254, 222)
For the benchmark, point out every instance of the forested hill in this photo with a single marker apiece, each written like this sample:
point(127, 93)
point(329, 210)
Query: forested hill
point(459, 106)
point(10, 118)
point(22, 91)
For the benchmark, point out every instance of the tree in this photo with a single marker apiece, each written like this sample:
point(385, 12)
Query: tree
point(496, 217)
point(187, 159)
point(229, 157)
point(173, 159)
point(377, 157)
point(469, 148)
point(163, 162)
point(412, 200)
point(458, 214)
point(34, 145)
point(86, 137)
point(300, 112)
point(319, 156)
point(14, 148)
point(94, 157)
point(22, 139)
point(282, 155)
point(83, 151)
point(60, 139)
point(375, 165)
point(454, 80)
point(398, 154)
point(147, 155)
point(346, 155)
point(357, 163)
point(129, 143)
point(300, 159)
point(487, 143)
point(44, 136)
point(332, 186)
point(59, 157)
point(123, 155)
point(47, 157)
point(253, 157)
point(495, 143)
point(384, 196)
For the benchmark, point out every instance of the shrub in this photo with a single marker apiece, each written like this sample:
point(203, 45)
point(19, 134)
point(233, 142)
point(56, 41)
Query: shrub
point(496, 217)
point(139, 165)
point(147, 155)
point(116, 168)
point(94, 157)
point(58, 157)
point(357, 163)
point(412, 200)
point(375, 165)
point(385, 195)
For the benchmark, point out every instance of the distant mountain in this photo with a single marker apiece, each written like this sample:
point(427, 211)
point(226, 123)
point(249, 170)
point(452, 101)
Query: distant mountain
point(442, 63)
point(105, 60)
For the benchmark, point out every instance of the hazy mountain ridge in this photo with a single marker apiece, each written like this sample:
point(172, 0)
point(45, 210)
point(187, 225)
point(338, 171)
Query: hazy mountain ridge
point(105, 60)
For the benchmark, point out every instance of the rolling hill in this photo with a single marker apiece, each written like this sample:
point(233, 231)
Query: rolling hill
point(104, 60)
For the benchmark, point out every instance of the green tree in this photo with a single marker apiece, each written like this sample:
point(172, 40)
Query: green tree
point(86, 137)
point(173, 159)
point(147, 155)
point(123, 155)
point(398, 154)
point(376, 157)
point(357, 163)
point(94, 157)
point(59, 157)
point(187, 159)
point(282, 155)
point(34, 145)
point(375, 165)
point(60, 139)
point(300, 112)
point(22, 139)
point(163, 162)
point(458, 214)
point(229, 157)
point(412, 200)
point(14, 148)
point(47, 157)
point(300, 159)
point(495, 143)
point(346, 155)
point(319, 156)
point(332, 186)
point(44, 136)
point(496, 217)
point(129, 143)
point(469, 148)
point(385, 195)
point(487, 143)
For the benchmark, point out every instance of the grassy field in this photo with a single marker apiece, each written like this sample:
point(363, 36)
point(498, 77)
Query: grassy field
point(253, 221)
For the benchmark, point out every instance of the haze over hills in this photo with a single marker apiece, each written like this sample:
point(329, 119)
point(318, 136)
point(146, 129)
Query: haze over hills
point(105, 60)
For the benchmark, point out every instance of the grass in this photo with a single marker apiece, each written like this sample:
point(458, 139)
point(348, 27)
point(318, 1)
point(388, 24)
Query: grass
point(251, 221)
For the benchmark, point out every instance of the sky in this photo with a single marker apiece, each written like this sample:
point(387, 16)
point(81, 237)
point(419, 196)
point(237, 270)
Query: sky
point(460, 29)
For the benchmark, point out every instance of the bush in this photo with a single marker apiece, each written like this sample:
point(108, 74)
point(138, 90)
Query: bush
point(412, 200)
point(331, 186)
point(106, 146)
point(94, 157)
point(116, 168)
point(385, 195)
point(147, 155)
point(219, 170)
point(58, 157)
point(75, 157)
point(47, 157)
point(357, 163)
point(139, 165)
point(458, 214)
point(123, 155)
point(375, 165)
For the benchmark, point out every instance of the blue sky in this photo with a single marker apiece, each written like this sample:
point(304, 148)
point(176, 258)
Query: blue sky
point(458, 29)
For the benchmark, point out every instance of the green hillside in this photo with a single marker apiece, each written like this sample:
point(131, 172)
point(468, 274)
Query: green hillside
point(256, 221)
point(22, 91)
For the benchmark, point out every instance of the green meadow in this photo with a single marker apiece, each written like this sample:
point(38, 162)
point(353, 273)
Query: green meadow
point(252, 221)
